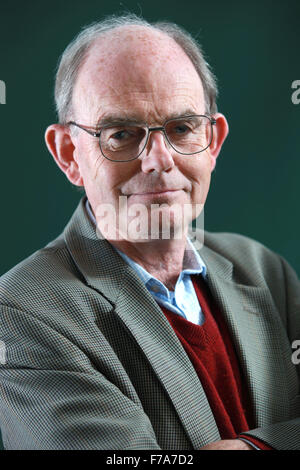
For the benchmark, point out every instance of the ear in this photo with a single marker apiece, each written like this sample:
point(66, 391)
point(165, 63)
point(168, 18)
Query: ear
point(220, 132)
point(60, 145)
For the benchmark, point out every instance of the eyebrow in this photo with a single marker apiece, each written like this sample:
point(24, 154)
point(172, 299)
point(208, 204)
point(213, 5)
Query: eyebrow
point(113, 119)
point(134, 119)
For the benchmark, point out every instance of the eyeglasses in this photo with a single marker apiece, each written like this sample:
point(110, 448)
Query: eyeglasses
point(123, 142)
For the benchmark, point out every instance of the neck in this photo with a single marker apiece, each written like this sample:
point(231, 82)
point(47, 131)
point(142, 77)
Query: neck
point(163, 259)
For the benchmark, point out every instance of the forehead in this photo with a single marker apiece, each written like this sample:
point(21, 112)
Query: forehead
point(136, 70)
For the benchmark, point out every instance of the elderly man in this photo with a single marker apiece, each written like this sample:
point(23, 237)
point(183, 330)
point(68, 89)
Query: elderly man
point(122, 333)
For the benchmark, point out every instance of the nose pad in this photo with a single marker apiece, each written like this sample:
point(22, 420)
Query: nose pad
point(156, 136)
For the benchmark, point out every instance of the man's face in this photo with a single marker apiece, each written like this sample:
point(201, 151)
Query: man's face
point(139, 75)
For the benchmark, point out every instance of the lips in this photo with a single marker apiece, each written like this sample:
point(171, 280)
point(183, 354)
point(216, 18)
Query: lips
point(156, 191)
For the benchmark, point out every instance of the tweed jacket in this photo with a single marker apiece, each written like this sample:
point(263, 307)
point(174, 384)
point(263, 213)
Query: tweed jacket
point(89, 361)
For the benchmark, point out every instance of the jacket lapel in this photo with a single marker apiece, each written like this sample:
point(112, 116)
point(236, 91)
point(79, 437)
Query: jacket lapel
point(152, 331)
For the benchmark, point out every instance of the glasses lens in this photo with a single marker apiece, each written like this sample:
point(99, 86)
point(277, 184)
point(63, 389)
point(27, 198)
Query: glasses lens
point(122, 142)
point(189, 134)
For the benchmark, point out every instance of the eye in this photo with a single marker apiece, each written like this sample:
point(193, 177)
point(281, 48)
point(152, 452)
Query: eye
point(121, 135)
point(181, 129)
point(117, 138)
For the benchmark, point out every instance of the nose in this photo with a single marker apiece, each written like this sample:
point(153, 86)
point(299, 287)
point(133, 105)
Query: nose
point(156, 156)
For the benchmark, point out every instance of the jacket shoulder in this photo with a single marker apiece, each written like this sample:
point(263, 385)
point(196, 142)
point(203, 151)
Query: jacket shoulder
point(236, 247)
point(38, 276)
point(253, 263)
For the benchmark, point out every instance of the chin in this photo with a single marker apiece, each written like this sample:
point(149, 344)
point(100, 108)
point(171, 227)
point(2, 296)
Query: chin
point(163, 223)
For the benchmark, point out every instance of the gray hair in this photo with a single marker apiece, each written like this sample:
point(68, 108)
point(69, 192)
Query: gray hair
point(76, 52)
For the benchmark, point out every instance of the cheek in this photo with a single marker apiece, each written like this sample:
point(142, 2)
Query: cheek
point(101, 177)
point(197, 168)
point(205, 163)
point(89, 159)
point(198, 171)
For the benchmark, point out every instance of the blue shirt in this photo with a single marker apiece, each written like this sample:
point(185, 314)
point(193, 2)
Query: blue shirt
point(183, 300)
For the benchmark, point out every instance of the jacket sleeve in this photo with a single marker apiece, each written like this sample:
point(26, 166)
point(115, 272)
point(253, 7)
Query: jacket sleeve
point(286, 435)
point(51, 396)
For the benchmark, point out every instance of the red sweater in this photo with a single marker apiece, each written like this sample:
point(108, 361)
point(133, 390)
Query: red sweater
point(213, 356)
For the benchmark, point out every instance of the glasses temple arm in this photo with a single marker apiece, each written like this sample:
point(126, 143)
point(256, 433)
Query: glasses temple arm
point(94, 134)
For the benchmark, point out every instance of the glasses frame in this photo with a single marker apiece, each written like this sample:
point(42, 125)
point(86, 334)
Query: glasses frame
point(149, 129)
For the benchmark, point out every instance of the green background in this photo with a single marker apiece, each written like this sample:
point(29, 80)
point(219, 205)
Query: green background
point(253, 47)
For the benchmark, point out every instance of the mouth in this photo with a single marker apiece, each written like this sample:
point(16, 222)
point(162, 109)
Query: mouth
point(157, 194)
point(159, 191)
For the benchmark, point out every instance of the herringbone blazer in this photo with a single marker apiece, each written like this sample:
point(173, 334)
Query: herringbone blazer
point(89, 360)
